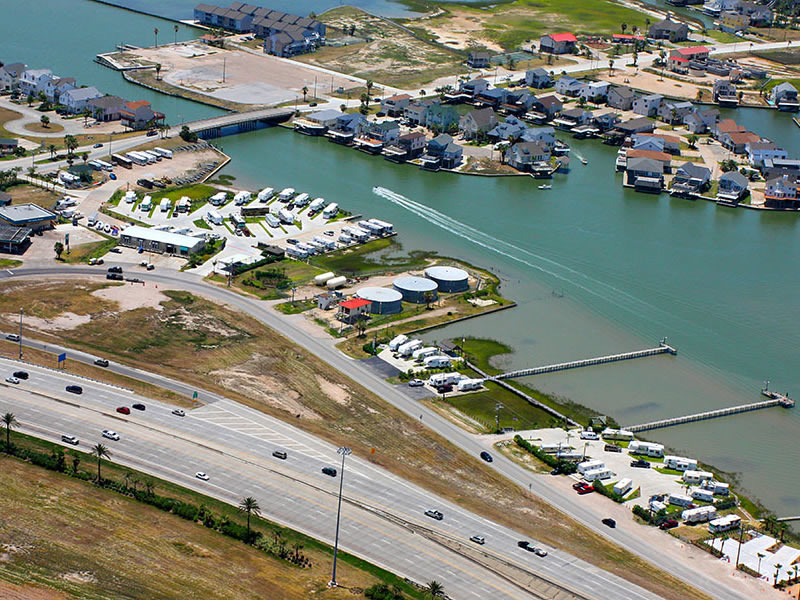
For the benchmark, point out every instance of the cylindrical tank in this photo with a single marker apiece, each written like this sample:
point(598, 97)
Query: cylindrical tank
point(416, 289)
point(385, 301)
point(449, 279)
point(323, 278)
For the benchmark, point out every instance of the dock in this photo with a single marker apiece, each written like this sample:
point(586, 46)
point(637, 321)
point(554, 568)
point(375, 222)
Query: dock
point(662, 348)
point(774, 400)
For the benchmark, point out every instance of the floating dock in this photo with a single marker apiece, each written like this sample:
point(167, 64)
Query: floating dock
point(774, 400)
point(663, 348)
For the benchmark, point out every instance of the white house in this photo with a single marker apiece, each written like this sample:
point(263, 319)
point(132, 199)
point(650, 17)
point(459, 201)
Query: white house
point(647, 105)
point(568, 86)
point(34, 81)
point(757, 152)
point(76, 100)
point(595, 91)
point(702, 495)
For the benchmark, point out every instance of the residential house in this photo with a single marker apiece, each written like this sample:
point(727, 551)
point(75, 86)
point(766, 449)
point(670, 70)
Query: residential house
point(662, 157)
point(732, 187)
point(568, 86)
point(782, 192)
point(493, 97)
point(724, 92)
point(691, 178)
point(645, 174)
point(442, 152)
point(544, 135)
point(701, 121)
point(621, 97)
point(479, 60)
point(725, 126)
point(441, 117)
point(538, 78)
point(385, 131)
point(680, 58)
point(674, 112)
point(476, 123)
point(10, 76)
point(758, 152)
point(736, 142)
point(558, 43)
point(8, 145)
point(76, 100)
point(669, 143)
point(731, 22)
point(647, 105)
point(647, 143)
point(408, 146)
point(549, 106)
point(626, 38)
point(784, 96)
point(416, 110)
point(638, 125)
point(106, 108)
point(473, 87)
point(606, 120)
point(139, 115)
point(669, 30)
point(595, 91)
point(347, 127)
point(760, 15)
point(523, 155)
point(57, 86)
point(33, 81)
point(395, 105)
point(510, 129)
point(287, 43)
point(574, 117)
point(518, 103)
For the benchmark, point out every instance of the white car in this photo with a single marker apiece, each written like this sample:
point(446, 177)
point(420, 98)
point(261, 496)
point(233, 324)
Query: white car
point(478, 539)
point(107, 228)
point(416, 383)
point(110, 434)
point(179, 412)
point(201, 475)
point(12, 379)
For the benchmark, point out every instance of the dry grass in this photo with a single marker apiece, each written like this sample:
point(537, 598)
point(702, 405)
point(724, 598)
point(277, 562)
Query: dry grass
point(39, 128)
point(21, 194)
point(88, 542)
point(7, 115)
point(195, 340)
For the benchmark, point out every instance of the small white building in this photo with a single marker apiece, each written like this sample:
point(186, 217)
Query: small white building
point(702, 495)
point(680, 463)
point(717, 487)
point(693, 477)
point(699, 515)
point(646, 448)
point(680, 500)
point(617, 434)
point(623, 486)
point(725, 523)
point(590, 465)
point(599, 473)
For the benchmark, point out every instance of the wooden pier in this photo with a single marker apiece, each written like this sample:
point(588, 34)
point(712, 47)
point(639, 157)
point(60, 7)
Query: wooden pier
point(662, 348)
point(774, 400)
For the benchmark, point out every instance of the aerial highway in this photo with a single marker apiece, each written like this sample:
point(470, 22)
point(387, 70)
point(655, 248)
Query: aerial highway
point(689, 571)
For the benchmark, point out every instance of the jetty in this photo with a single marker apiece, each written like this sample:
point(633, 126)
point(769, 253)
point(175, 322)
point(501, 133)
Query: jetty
point(775, 399)
point(662, 348)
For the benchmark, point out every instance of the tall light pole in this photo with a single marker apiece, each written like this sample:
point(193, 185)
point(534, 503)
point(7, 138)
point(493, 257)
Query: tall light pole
point(20, 333)
point(344, 451)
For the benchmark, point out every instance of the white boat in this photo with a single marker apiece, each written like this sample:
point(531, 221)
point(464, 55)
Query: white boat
point(584, 161)
point(545, 186)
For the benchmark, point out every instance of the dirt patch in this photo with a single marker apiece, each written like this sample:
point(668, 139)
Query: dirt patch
point(337, 393)
point(251, 378)
point(10, 591)
point(64, 321)
point(132, 297)
point(79, 577)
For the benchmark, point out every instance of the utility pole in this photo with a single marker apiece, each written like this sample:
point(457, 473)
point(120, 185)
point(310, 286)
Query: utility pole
point(739, 550)
point(224, 58)
point(497, 408)
point(315, 88)
point(344, 452)
point(20, 333)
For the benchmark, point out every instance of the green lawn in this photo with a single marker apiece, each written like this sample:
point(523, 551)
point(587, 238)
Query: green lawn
point(198, 194)
point(374, 257)
point(82, 253)
point(9, 263)
point(296, 307)
point(201, 223)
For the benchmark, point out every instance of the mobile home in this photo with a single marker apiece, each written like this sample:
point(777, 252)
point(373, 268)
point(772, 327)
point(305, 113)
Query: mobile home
point(407, 348)
point(386, 228)
point(359, 234)
point(397, 341)
point(294, 252)
point(165, 205)
point(163, 152)
point(717, 488)
point(623, 486)
point(184, 204)
point(241, 198)
point(214, 217)
point(95, 165)
point(680, 463)
point(146, 204)
point(272, 221)
point(595, 474)
point(135, 158)
point(218, 198)
point(286, 217)
point(237, 219)
point(699, 515)
point(646, 448)
point(680, 500)
point(308, 248)
point(590, 465)
point(265, 194)
point(331, 210)
point(285, 194)
point(438, 379)
point(617, 434)
point(437, 362)
point(155, 156)
point(345, 239)
point(301, 199)
point(702, 495)
point(424, 352)
point(693, 477)
point(467, 385)
point(130, 197)
point(316, 205)
point(725, 523)
point(107, 166)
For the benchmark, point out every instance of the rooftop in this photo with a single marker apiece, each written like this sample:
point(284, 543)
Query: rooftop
point(562, 37)
point(163, 237)
point(25, 213)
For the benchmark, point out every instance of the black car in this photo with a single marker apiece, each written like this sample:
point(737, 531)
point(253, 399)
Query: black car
point(138, 406)
point(159, 185)
point(292, 241)
point(74, 389)
point(329, 471)
point(610, 523)
point(486, 456)
point(115, 269)
point(21, 374)
point(101, 362)
point(115, 276)
point(612, 448)
point(145, 183)
point(151, 133)
point(98, 145)
point(282, 455)
point(524, 545)
point(640, 464)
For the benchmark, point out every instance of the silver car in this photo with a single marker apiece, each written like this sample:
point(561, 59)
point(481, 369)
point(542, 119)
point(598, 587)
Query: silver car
point(12, 379)
point(110, 434)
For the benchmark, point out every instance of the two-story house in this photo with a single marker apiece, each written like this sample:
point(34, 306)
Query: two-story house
point(558, 43)
point(621, 97)
point(75, 100)
point(732, 187)
point(523, 155)
point(758, 152)
point(477, 123)
point(441, 117)
point(647, 105)
point(538, 78)
point(568, 86)
point(395, 105)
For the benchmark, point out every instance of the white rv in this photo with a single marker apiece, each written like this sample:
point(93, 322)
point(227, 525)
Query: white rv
point(331, 210)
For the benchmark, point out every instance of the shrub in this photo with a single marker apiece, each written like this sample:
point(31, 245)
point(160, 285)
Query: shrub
point(564, 466)
point(234, 530)
point(381, 591)
point(642, 513)
point(725, 504)
point(186, 511)
point(601, 489)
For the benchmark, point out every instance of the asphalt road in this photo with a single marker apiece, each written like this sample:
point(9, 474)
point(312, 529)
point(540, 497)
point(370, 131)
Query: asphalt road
point(685, 570)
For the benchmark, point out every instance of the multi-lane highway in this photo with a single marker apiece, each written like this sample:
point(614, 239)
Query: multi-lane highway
point(394, 491)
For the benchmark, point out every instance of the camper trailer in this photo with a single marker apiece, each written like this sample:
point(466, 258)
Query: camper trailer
point(437, 362)
point(317, 204)
point(272, 221)
point(165, 205)
point(397, 341)
point(146, 204)
point(265, 194)
point(218, 199)
point(301, 199)
point(286, 217)
point(184, 204)
point(214, 217)
point(163, 152)
point(330, 211)
point(241, 198)
point(468, 385)
point(623, 486)
point(286, 194)
point(409, 347)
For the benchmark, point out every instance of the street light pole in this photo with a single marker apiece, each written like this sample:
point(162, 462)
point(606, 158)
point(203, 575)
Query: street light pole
point(344, 451)
point(20, 333)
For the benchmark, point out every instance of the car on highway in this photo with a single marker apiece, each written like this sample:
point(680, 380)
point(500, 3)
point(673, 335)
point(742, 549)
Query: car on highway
point(434, 514)
point(609, 523)
point(12, 379)
point(138, 406)
point(12, 337)
point(640, 464)
point(74, 389)
point(525, 545)
point(70, 439)
point(201, 475)
point(668, 524)
point(96, 261)
point(540, 552)
point(20, 374)
point(486, 456)
point(114, 276)
point(279, 454)
point(101, 362)
point(116, 269)
point(292, 241)
point(151, 133)
point(110, 434)
point(98, 145)
point(329, 471)
point(179, 412)
point(478, 539)
point(416, 383)
point(123, 410)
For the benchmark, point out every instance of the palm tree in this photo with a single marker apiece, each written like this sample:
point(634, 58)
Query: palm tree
point(155, 33)
point(45, 121)
point(58, 248)
point(435, 590)
point(100, 451)
point(623, 26)
point(760, 556)
point(305, 92)
point(250, 506)
point(778, 567)
point(71, 143)
point(370, 84)
point(158, 70)
point(610, 66)
point(9, 420)
point(52, 149)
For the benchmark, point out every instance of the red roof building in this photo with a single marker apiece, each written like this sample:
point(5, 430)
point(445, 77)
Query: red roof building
point(352, 310)
point(354, 303)
point(558, 43)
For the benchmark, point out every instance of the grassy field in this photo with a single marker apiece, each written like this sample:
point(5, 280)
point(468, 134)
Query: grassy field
point(232, 354)
point(39, 128)
point(88, 542)
point(25, 192)
point(373, 258)
point(7, 115)
point(198, 194)
point(9, 263)
point(392, 56)
point(83, 252)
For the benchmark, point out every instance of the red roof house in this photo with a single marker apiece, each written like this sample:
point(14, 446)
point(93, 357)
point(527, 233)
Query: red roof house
point(558, 43)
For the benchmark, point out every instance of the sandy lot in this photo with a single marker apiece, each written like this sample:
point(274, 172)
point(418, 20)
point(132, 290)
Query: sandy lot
point(461, 32)
point(249, 78)
point(133, 296)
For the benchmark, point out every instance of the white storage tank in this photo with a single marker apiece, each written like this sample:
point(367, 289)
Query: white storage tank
point(336, 282)
point(449, 279)
point(385, 301)
point(323, 278)
point(416, 289)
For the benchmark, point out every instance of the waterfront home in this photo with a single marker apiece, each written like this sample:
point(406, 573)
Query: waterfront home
point(477, 123)
point(621, 97)
point(408, 146)
point(668, 143)
point(775, 167)
point(647, 105)
point(493, 97)
point(473, 87)
point(724, 92)
point(327, 118)
point(441, 117)
point(784, 96)
point(10, 76)
point(568, 86)
point(523, 155)
point(691, 178)
point(549, 106)
point(574, 117)
point(442, 152)
point(385, 131)
point(654, 144)
point(139, 115)
point(56, 86)
point(558, 43)
point(732, 22)
point(646, 175)
point(732, 187)
point(736, 142)
point(394, 105)
point(478, 60)
point(662, 157)
point(538, 78)
point(674, 112)
point(33, 81)
point(106, 108)
point(758, 152)
point(416, 110)
point(782, 192)
point(606, 120)
point(669, 30)
point(725, 126)
point(701, 121)
point(510, 129)
point(76, 100)
point(544, 135)
point(518, 103)
point(638, 125)
point(760, 15)
point(288, 43)
point(226, 18)
point(680, 58)
point(595, 91)
point(346, 128)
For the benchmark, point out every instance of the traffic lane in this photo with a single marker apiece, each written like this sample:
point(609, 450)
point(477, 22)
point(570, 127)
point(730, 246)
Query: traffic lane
point(361, 527)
